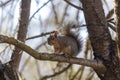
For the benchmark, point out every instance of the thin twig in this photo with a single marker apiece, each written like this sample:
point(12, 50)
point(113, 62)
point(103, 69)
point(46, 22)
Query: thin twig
point(3, 4)
point(83, 25)
point(64, 14)
point(82, 72)
point(55, 13)
point(90, 75)
point(42, 34)
point(39, 10)
point(56, 73)
point(73, 5)
point(74, 76)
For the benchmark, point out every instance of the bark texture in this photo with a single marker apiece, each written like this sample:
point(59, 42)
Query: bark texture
point(117, 11)
point(22, 31)
point(103, 46)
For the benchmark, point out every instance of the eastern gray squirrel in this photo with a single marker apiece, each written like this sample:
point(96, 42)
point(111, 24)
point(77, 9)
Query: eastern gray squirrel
point(68, 43)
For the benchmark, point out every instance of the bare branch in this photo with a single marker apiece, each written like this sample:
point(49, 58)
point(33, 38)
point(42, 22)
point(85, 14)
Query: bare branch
point(64, 14)
point(52, 57)
point(48, 2)
point(55, 13)
point(39, 10)
point(42, 34)
point(56, 73)
point(3, 4)
point(76, 74)
point(83, 25)
point(82, 72)
point(73, 5)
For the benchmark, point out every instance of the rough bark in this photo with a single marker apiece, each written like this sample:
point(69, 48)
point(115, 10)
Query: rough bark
point(117, 11)
point(22, 31)
point(103, 46)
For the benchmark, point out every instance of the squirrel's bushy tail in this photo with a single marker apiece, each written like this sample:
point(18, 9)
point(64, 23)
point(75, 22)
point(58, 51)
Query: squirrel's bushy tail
point(68, 32)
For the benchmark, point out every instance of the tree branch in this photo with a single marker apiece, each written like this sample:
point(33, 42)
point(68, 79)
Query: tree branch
point(42, 34)
point(39, 10)
point(77, 7)
point(5, 3)
point(56, 73)
point(52, 57)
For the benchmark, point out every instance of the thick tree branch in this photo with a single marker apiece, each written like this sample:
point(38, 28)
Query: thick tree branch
point(52, 57)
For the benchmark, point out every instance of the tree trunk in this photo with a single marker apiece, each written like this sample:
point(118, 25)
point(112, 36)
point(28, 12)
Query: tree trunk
point(104, 47)
point(10, 69)
point(22, 31)
point(117, 11)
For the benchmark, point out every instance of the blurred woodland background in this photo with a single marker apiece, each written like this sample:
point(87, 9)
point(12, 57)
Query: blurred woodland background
point(46, 16)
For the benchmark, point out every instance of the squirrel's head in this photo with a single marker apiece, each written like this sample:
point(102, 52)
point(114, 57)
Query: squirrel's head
point(52, 39)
